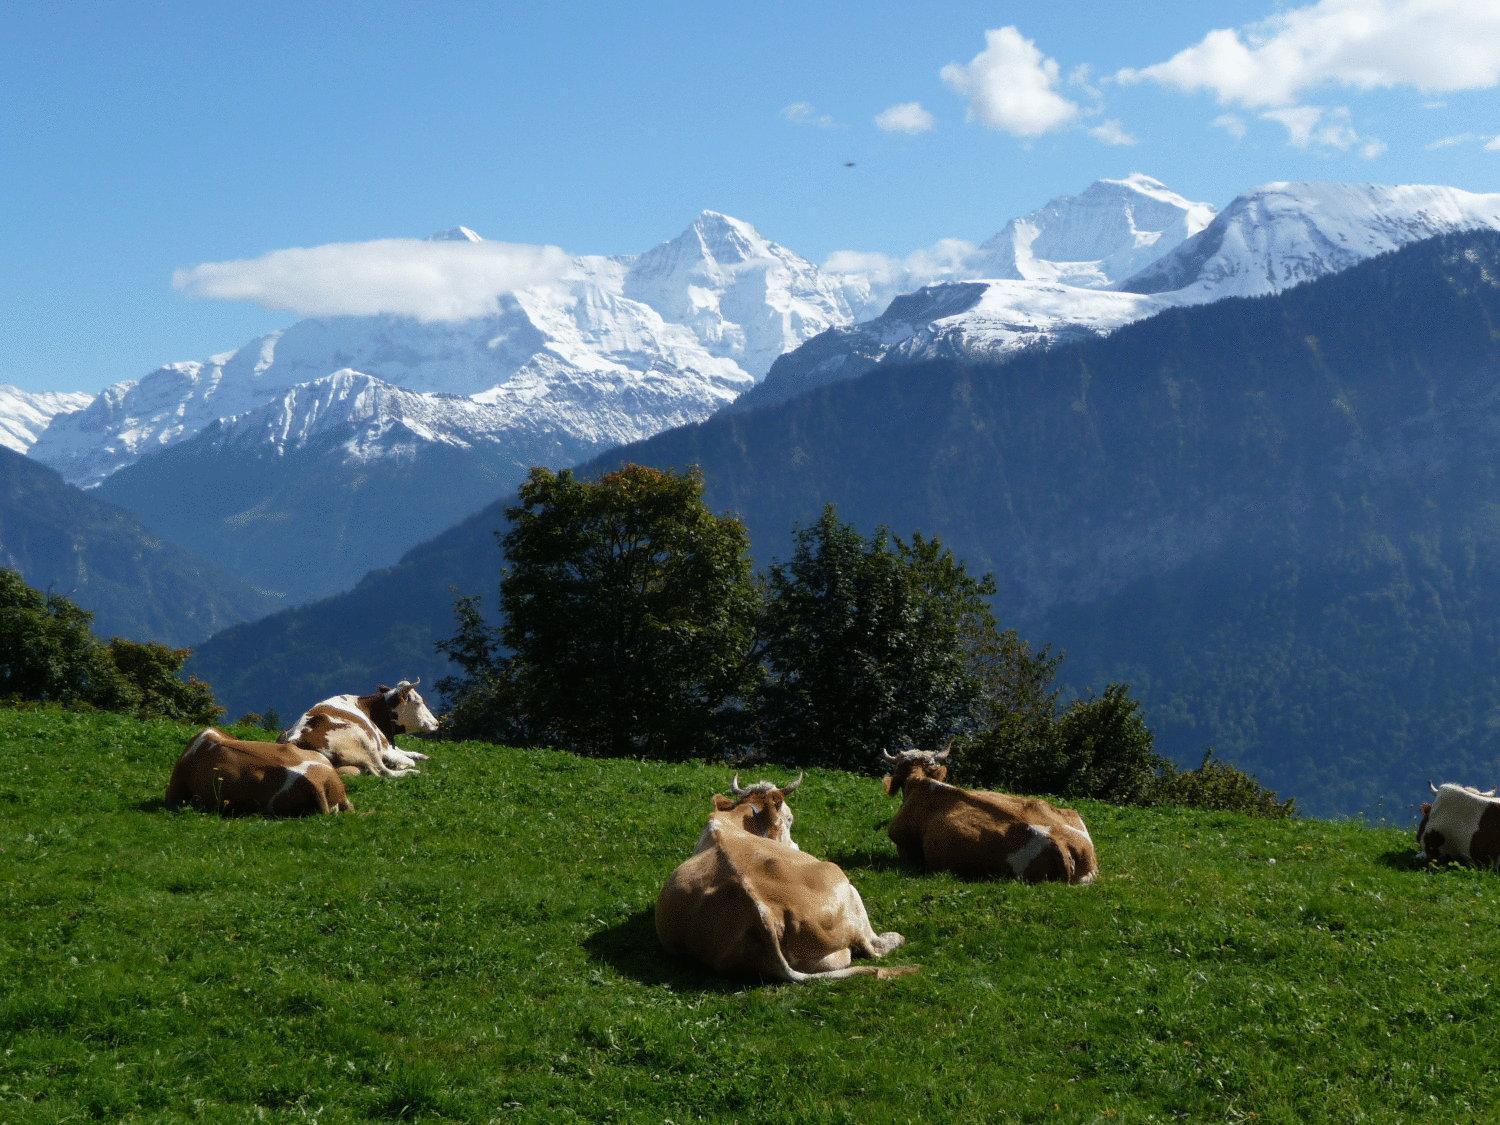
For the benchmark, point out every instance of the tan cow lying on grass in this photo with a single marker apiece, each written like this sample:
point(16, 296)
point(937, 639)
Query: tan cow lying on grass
point(1461, 823)
point(980, 835)
point(750, 901)
point(228, 775)
point(357, 733)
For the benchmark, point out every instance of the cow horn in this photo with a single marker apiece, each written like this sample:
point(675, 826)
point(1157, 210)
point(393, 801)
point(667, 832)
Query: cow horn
point(1431, 786)
point(941, 755)
point(792, 788)
point(889, 757)
point(734, 787)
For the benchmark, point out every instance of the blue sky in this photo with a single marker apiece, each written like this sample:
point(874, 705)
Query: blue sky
point(137, 139)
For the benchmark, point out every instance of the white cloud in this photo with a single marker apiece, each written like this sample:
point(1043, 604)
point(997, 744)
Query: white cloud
point(1316, 127)
point(803, 113)
point(1011, 86)
point(1450, 142)
point(904, 117)
point(395, 276)
point(1432, 45)
point(1492, 145)
point(1231, 124)
point(1111, 133)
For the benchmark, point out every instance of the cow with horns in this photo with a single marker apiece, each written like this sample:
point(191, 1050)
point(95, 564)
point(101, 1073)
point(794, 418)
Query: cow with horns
point(981, 835)
point(749, 901)
point(1460, 823)
point(357, 733)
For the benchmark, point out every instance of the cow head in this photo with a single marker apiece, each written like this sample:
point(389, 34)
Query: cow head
point(408, 708)
point(913, 765)
point(760, 809)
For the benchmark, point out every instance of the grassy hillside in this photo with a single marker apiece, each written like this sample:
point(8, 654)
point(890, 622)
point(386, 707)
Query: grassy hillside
point(479, 944)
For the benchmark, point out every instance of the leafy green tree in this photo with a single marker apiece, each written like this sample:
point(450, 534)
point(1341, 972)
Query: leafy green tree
point(1218, 785)
point(152, 685)
point(628, 614)
point(868, 643)
point(1014, 743)
point(48, 654)
point(1105, 749)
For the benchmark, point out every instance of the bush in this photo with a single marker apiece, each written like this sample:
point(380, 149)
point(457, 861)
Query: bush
point(867, 645)
point(1218, 785)
point(47, 654)
point(628, 614)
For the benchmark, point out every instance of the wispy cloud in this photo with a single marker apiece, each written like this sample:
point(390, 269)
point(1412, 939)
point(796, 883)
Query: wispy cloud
point(1111, 133)
point(395, 276)
point(904, 117)
point(804, 113)
point(1434, 46)
point(1325, 129)
point(1011, 86)
point(1232, 124)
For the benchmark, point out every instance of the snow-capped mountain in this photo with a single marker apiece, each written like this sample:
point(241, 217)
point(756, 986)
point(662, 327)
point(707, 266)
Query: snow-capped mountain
point(1283, 234)
point(25, 414)
point(973, 319)
point(1091, 240)
point(578, 355)
point(349, 465)
point(744, 297)
point(1101, 236)
point(1265, 241)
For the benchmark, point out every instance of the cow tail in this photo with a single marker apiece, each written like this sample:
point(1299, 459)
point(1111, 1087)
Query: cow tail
point(785, 972)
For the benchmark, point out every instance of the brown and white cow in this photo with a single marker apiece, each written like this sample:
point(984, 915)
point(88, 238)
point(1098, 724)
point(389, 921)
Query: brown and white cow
point(1461, 823)
point(981, 835)
point(229, 775)
point(357, 733)
point(750, 902)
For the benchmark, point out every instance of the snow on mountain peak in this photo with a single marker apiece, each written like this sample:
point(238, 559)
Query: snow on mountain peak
point(1285, 233)
point(25, 414)
point(454, 234)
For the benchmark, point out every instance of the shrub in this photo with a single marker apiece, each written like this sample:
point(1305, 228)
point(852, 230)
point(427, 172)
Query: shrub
point(1218, 785)
point(47, 654)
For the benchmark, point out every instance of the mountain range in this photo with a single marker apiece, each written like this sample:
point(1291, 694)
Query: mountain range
point(1274, 516)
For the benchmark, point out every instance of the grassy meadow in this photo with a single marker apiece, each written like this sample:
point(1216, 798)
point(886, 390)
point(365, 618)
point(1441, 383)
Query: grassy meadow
point(477, 943)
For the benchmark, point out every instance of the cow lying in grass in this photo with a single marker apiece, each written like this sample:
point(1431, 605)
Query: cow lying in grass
point(228, 775)
point(981, 835)
point(357, 733)
point(1461, 823)
point(750, 901)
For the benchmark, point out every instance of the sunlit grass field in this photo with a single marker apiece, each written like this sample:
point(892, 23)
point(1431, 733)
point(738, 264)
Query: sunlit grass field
point(477, 943)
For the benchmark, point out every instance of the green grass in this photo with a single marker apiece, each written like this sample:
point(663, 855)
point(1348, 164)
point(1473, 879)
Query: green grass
point(480, 945)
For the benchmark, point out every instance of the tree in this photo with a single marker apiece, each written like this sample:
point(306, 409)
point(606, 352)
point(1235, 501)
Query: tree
point(869, 645)
point(628, 616)
point(48, 654)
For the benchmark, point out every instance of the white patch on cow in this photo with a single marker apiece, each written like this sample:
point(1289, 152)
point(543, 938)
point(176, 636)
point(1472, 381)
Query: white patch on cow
point(1021, 858)
point(1084, 832)
point(1456, 811)
point(201, 741)
point(292, 774)
point(413, 716)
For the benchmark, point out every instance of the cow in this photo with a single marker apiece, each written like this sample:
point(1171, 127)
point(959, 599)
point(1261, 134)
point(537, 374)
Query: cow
point(229, 775)
point(1460, 823)
point(357, 733)
point(750, 902)
point(980, 835)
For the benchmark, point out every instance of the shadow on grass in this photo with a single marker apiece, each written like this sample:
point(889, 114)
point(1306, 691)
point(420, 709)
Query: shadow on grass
point(631, 948)
point(1402, 859)
point(871, 859)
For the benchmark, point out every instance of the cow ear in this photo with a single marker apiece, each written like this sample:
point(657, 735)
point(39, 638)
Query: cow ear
point(383, 689)
point(938, 773)
point(885, 782)
point(1426, 807)
point(722, 803)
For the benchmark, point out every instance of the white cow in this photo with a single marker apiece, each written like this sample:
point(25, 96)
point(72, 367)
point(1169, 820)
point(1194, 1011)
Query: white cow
point(357, 733)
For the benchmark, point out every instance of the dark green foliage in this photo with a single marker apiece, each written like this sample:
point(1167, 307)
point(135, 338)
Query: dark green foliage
point(48, 654)
point(152, 686)
point(1218, 785)
point(1104, 747)
point(270, 721)
point(629, 617)
point(101, 558)
point(866, 641)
